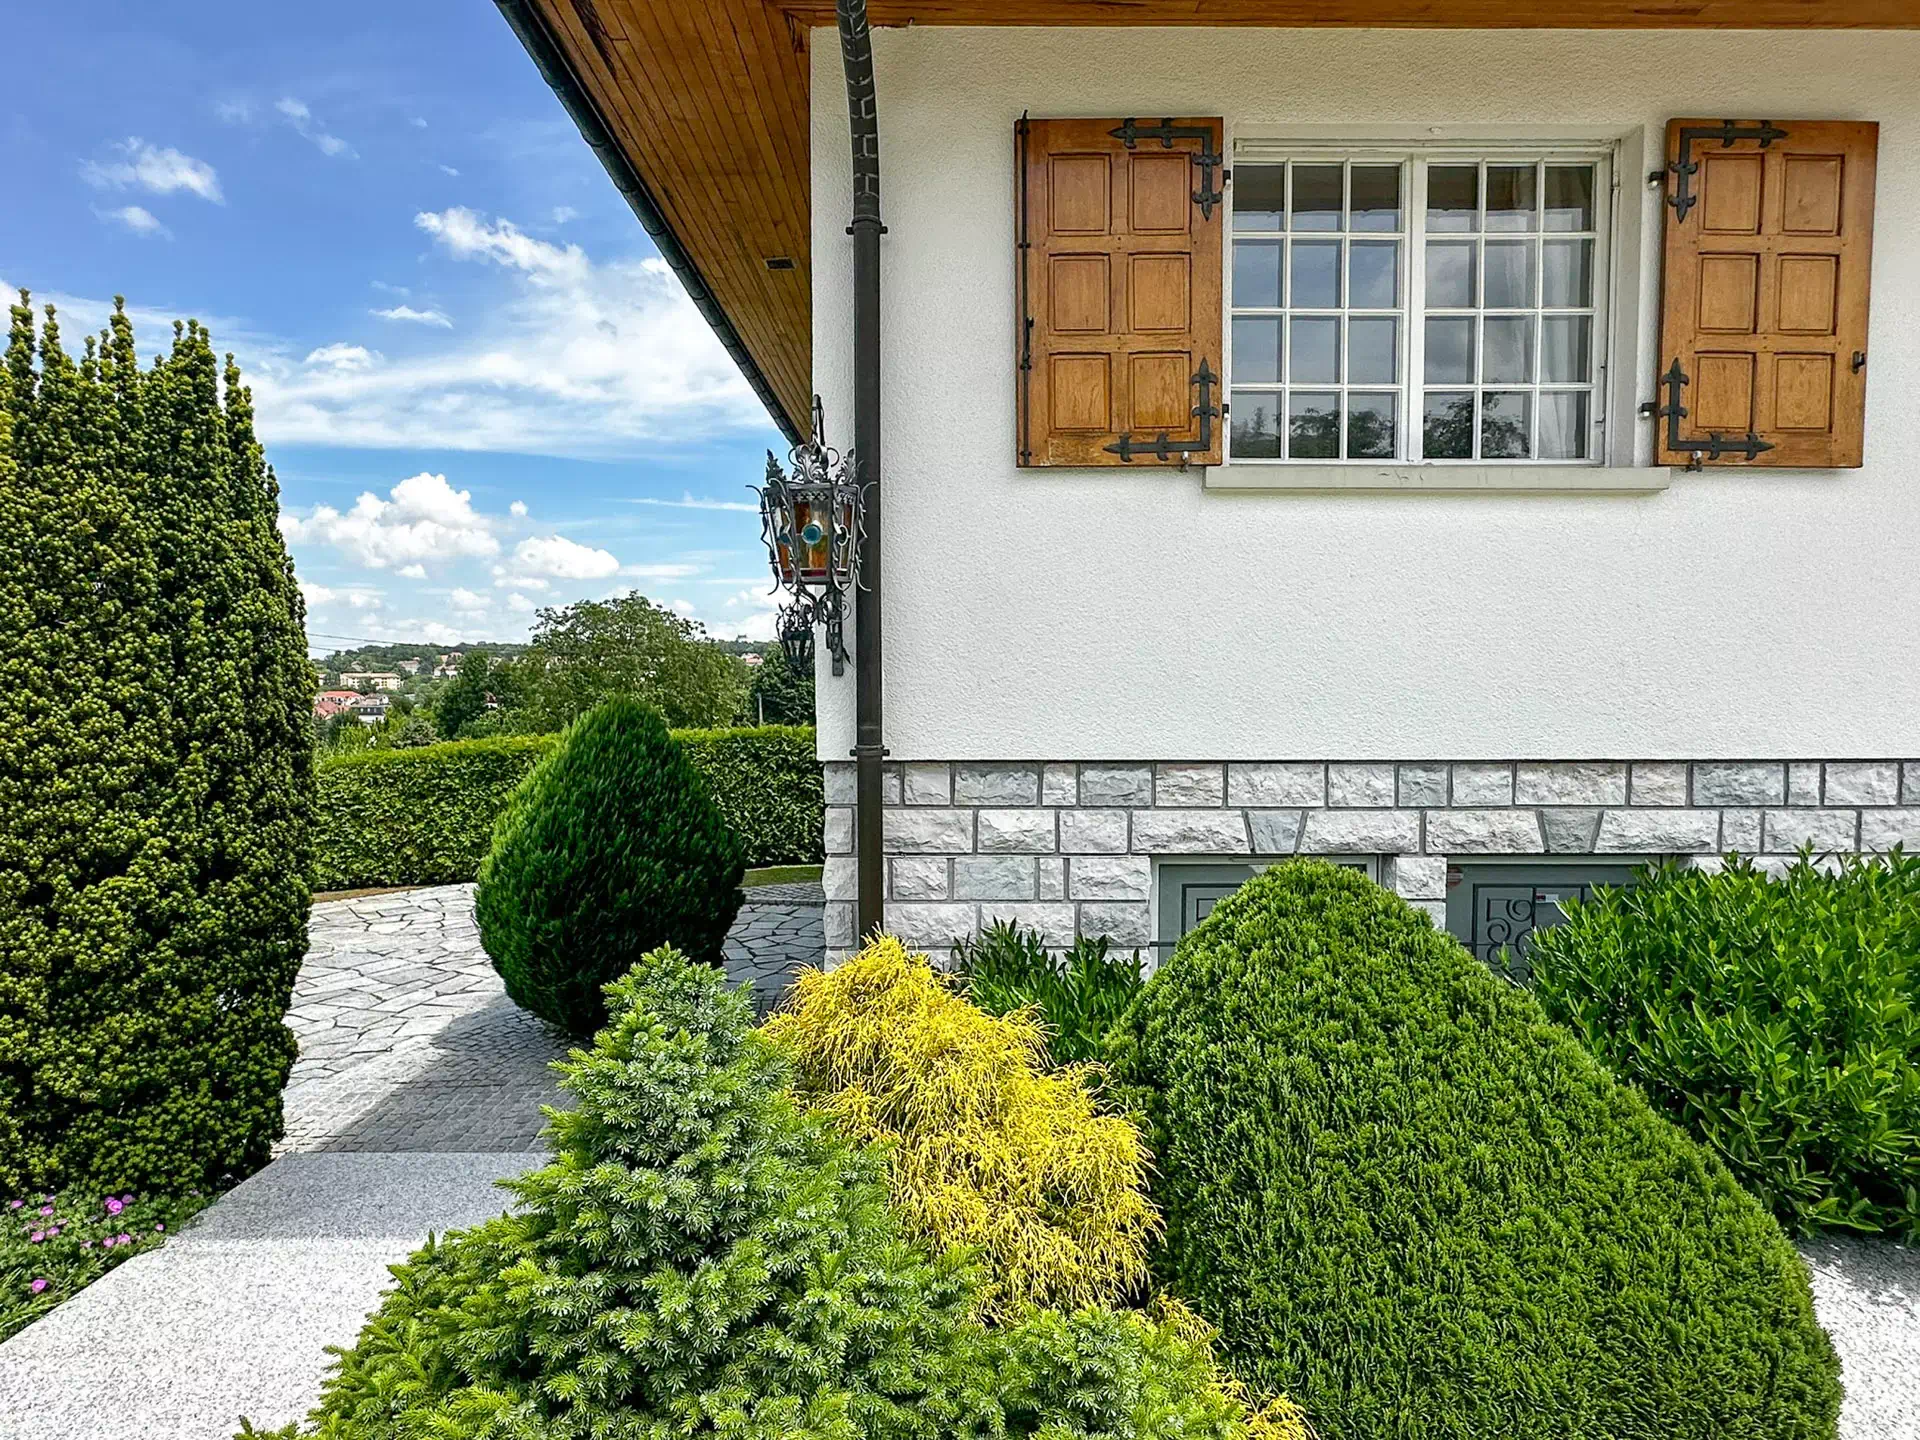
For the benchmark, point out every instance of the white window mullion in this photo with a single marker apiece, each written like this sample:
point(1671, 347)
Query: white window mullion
point(1415, 402)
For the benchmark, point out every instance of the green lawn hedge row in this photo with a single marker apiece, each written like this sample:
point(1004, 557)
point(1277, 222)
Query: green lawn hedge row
point(425, 816)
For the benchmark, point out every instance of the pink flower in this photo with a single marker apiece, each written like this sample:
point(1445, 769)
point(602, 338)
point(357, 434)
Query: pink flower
point(46, 1209)
point(37, 1236)
point(114, 1207)
point(37, 1286)
point(107, 1243)
point(126, 1239)
point(159, 1229)
point(86, 1244)
point(126, 1199)
point(15, 1204)
point(53, 1232)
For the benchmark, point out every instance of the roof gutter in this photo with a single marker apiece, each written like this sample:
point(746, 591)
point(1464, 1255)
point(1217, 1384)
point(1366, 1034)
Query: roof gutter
point(526, 21)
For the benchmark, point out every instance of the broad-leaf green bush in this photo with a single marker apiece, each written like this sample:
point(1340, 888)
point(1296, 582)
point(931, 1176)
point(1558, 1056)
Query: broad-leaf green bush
point(425, 816)
point(610, 847)
point(702, 1259)
point(1413, 1201)
point(1080, 995)
point(156, 775)
point(1774, 1018)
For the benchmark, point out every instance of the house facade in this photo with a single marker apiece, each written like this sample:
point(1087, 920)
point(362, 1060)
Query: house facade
point(1266, 470)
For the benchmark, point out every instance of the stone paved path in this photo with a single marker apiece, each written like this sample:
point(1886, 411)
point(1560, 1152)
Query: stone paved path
point(409, 1043)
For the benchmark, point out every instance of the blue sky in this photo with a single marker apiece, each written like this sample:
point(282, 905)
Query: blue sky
point(480, 387)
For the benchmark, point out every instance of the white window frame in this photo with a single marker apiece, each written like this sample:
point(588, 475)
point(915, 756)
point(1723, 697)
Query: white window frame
point(1609, 465)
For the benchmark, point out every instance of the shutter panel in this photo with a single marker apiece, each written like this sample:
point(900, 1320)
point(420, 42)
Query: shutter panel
point(1763, 329)
point(1119, 273)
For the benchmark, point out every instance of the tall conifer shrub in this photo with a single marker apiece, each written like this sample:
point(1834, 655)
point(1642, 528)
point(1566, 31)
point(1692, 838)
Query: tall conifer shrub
point(156, 777)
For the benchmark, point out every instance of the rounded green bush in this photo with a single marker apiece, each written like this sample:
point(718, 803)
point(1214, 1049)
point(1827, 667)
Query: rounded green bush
point(1773, 1017)
point(1408, 1198)
point(610, 847)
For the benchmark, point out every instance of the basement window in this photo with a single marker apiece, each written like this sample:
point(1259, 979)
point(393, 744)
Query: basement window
point(1437, 307)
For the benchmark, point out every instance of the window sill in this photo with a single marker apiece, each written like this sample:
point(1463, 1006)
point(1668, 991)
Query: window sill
point(1444, 479)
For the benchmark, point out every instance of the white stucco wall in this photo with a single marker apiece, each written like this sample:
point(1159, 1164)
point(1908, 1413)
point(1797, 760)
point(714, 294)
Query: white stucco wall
point(1108, 614)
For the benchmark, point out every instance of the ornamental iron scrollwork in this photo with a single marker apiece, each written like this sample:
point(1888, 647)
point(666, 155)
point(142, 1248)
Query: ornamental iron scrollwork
point(1716, 445)
point(811, 521)
point(1685, 167)
point(1170, 451)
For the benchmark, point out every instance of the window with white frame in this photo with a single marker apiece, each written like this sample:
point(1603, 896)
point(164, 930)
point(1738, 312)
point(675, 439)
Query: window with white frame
point(1436, 306)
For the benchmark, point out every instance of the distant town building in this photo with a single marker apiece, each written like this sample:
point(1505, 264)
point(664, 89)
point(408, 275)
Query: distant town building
point(371, 679)
point(371, 709)
point(412, 667)
point(753, 657)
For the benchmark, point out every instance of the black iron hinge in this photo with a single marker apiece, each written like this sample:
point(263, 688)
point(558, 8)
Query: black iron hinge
point(1685, 167)
point(1129, 131)
point(1715, 446)
point(1167, 450)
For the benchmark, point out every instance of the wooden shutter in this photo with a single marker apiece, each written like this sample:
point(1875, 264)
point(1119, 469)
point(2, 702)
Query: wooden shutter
point(1763, 334)
point(1119, 273)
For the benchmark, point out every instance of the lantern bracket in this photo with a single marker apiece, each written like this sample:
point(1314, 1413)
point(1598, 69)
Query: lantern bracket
point(811, 521)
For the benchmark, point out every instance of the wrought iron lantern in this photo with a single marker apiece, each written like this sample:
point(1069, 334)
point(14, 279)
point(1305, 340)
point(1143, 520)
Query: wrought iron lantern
point(811, 523)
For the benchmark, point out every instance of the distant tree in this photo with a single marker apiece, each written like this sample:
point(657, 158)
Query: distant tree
point(780, 694)
point(464, 699)
point(413, 731)
point(156, 775)
point(595, 650)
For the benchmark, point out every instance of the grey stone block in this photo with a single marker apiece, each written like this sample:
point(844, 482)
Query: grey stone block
point(1662, 782)
point(923, 783)
point(1483, 785)
point(1026, 832)
point(1434, 910)
point(1189, 784)
point(1788, 830)
point(1422, 785)
point(1569, 831)
point(1277, 785)
point(929, 831)
point(1275, 832)
point(996, 784)
point(920, 879)
point(1658, 832)
point(1571, 782)
point(1484, 832)
point(934, 927)
point(1855, 782)
point(1361, 832)
point(838, 778)
point(1420, 877)
point(1803, 783)
point(1093, 832)
point(1054, 922)
point(1060, 785)
point(1110, 877)
point(1123, 924)
point(1116, 785)
point(1739, 782)
point(993, 877)
point(1189, 832)
point(1883, 829)
point(1910, 782)
point(1050, 878)
point(839, 922)
point(1360, 785)
point(838, 834)
point(840, 877)
point(1740, 831)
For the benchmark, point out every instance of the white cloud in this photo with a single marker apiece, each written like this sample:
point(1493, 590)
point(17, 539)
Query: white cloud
point(155, 169)
point(387, 289)
point(567, 357)
point(687, 502)
point(138, 219)
point(356, 597)
point(563, 559)
point(417, 317)
point(425, 519)
point(419, 122)
point(661, 572)
point(517, 601)
point(563, 213)
point(412, 572)
point(449, 170)
point(518, 509)
point(465, 599)
point(234, 112)
point(340, 357)
point(297, 114)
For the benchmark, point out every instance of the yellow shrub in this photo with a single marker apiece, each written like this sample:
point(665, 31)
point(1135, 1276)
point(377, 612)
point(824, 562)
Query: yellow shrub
point(990, 1149)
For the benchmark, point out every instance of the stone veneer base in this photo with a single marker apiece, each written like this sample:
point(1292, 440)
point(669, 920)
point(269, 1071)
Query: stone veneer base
point(1067, 848)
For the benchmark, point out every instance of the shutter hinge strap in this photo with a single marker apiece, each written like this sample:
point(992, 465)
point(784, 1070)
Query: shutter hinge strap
point(1715, 446)
point(1686, 167)
point(1129, 131)
point(1167, 450)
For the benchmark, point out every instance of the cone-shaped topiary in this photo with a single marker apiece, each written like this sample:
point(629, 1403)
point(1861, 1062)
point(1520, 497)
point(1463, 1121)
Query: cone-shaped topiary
point(610, 847)
point(700, 1259)
point(156, 776)
point(1399, 1190)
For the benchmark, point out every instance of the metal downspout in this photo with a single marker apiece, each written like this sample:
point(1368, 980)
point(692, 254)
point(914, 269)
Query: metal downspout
point(856, 55)
point(523, 17)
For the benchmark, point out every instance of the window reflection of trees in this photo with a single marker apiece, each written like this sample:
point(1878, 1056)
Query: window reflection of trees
point(1447, 434)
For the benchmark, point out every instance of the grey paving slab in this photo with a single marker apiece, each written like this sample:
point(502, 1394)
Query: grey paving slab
point(233, 1315)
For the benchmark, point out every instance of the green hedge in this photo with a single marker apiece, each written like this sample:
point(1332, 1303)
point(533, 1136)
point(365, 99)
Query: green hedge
point(425, 816)
point(1424, 1210)
point(1774, 1018)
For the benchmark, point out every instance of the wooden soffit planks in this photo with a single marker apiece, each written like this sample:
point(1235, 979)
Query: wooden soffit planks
point(708, 100)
